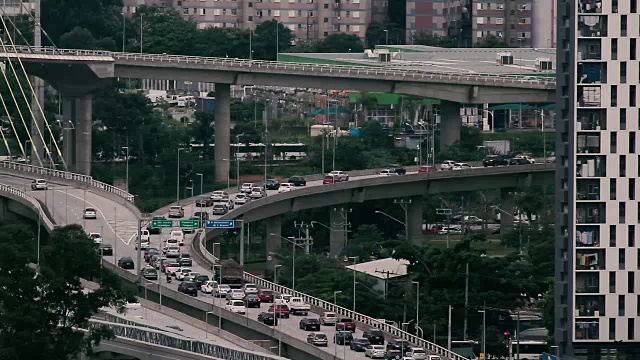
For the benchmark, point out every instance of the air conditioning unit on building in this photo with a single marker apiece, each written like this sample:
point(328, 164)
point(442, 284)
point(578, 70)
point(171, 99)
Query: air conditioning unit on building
point(544, 64)
point(504, 58)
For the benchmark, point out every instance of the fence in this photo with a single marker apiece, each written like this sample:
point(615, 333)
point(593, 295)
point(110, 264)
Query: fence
point(18, 195)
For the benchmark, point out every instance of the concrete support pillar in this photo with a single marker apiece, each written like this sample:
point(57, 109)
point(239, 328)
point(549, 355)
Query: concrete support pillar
point(507, 203)
point(38, 129)
point(414, 219)
point(450, 124)
point(337, 238)
point(83, 149)
point(223, 131)
point(68, 138)
point(274, 242)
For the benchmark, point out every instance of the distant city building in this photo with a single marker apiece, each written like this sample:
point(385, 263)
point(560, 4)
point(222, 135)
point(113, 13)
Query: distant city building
point(16, 7)
point(519, 23)
point(308, 19)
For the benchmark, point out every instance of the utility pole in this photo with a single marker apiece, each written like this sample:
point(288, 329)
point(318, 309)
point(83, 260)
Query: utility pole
point(386, 279)
point(466, 300)
point(308, 240)
point(449, 331)
point(404, 204)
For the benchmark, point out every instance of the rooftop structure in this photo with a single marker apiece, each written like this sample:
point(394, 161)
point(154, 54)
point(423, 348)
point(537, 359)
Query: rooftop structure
point(388, 268)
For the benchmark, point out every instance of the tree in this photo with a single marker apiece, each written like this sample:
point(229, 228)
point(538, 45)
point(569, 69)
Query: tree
point(202, 130)
point(222, 42)
point(374, 135)
point(42, 312)
point(100, 17)
point(375, 33)
point(340, 43)
point(270, 38)
point(81, 38)
point(364, 243)
point(432, 40)
point(165, 31)
point(492, 42)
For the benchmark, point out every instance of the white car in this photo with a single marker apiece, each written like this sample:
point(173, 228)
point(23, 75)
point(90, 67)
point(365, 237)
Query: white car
point(96, 237)
point(178, 235)
point(375, 351)
point(176, 212)
point(257, 192)
point(218, 195)
point(388, 172)
point(90, 213)
point(182, 273)
point(208, 287)
point(461, 166)
point(144, 244)
point(343, 176)
point(282, 298)
point(284, 187)
point(235, 294)
point(172, 268)
point(222, 290)
point(250, 288)
point(450, 231)
point(241, 199)
point(246, 188)
point(192, 276)
point(417, 353)
point(173, 251)
point(447, 165)
point(39, 184)
point(229, 203)
point(144, 235)
point(236, 306)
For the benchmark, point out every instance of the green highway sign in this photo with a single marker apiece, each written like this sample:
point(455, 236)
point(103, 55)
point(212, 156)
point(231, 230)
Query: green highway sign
point(189, 223)
point(162, 223)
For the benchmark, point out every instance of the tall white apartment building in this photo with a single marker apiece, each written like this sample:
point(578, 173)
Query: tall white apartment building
point(598, 180)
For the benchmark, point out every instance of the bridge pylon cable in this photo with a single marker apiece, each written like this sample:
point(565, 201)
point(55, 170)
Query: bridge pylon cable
point(16, 28)
point(39, 26)
point(4, 106)
point(46, 122)
point(15, 101)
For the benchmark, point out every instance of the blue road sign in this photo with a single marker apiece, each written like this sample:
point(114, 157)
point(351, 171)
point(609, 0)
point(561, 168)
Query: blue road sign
point(220, 224)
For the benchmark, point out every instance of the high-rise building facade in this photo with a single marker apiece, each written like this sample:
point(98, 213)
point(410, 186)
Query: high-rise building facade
point(473, 21)
point(308, 19)
point(597, 180)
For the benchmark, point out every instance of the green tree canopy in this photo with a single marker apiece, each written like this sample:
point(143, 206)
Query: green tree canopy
point(165, 31)
point(340, 43)
point(267, 35)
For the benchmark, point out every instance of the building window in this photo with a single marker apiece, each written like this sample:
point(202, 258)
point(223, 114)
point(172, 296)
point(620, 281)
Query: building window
point(614, 49)
point(620, 305)
point(634, 6)
point(185, 11)
point(631, 282)
point(623, 119)
point(622, 212)
point(623, 72)
point(612, 189)
point(613, 142)
point(623, 25)
point(633, 49)
point(612, 282)
point(631, 234)
point(632, 189)
point(632, 142)
point(612, 329)
point(499, 21)
point(621, 259)
point(623, 165)
point(614, 95)
point(631, 323)
point(612, 235)
point(632, 95)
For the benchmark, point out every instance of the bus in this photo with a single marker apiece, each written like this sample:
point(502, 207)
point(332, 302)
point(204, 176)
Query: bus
point(251, 151)
point(528, 349)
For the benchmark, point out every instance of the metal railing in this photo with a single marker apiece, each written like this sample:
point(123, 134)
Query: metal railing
point(16, 194)
point(65, 175)
point(175, 341)
point(321, 69)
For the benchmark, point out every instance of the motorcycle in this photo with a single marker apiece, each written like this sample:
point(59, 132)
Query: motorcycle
point(168, 279)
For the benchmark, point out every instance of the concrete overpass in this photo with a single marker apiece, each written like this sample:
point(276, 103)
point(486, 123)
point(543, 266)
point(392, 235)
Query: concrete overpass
point(77, 73)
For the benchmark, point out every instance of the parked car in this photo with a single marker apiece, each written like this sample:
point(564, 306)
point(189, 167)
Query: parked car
point(427, 169)
point(359, 344)
point(150, 273)
point(241, 199)
point(328, 318)
point(126, 262)
point(343, 337)
point(176, 212)
point(374, 351)
point(39, 184)
point(266, 295)
point(447, 165)
point(317, 339)
point(236, 306)
point(375, 336)
point(495, 160)
point(104, 250)
point(252, 300)
point(90, 213)
point(272, 184)
point(297, 181)
point(309, 324)
point(188, 287)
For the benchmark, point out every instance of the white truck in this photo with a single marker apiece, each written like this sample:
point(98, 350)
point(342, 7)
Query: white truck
point(297, 306)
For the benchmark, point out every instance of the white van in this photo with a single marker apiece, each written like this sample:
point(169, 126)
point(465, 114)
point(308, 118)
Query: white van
point(178, 235)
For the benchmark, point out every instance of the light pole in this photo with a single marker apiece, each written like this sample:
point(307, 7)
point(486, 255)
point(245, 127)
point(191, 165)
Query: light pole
point(201, 182)
point(127, 167)
point(354, 258)
point(417, 305)
point(206, 321)
point(220, 305)
point(420, 144)
point(275, 273)
point(123, 30)
point(228, 178)
point(238, 160)
point(335, 298)
point(406, 228)
point(386, 33)
point(293, 262)
point(484, 330)
point(141, 33)
point(178, 178)
point(493, 119)
point(335, 302)
point(26, 155)
point(519, 224)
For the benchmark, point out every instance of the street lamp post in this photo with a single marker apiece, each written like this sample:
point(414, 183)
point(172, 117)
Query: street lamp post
point(201, 182)
point(141, 33)
point(404, 223)
point(293, 265)
point(178, 178)
point(123, 30)
point(206, 323)
point(238, 160)
point(417, 305)
point(493, 119)
point(484, 330)
point(275, 273)
point(228, 178)
point(519, 224)
point(126, 168)
point(354, 258)
point(386, 33)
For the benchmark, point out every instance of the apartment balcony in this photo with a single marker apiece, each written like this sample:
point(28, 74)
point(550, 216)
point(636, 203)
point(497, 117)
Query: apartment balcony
point(588, 189)
point(592, 26)
point(589, 49)
point(591, 119)
point(590, 260)
point(591, 166)
point(592, 73)
point(588, 143)
point(589, 306)
point(587, 236)
point(590, 213)
point(589, 6)
point(587, 329)
point(587, 283)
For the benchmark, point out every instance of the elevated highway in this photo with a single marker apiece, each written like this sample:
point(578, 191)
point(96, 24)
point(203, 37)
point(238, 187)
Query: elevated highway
point(71, 195)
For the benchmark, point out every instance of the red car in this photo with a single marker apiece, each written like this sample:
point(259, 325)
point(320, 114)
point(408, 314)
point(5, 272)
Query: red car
point(266, 296)
point(427, 169)
point(280, 310)
point(330, 179)
point(346, 324)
